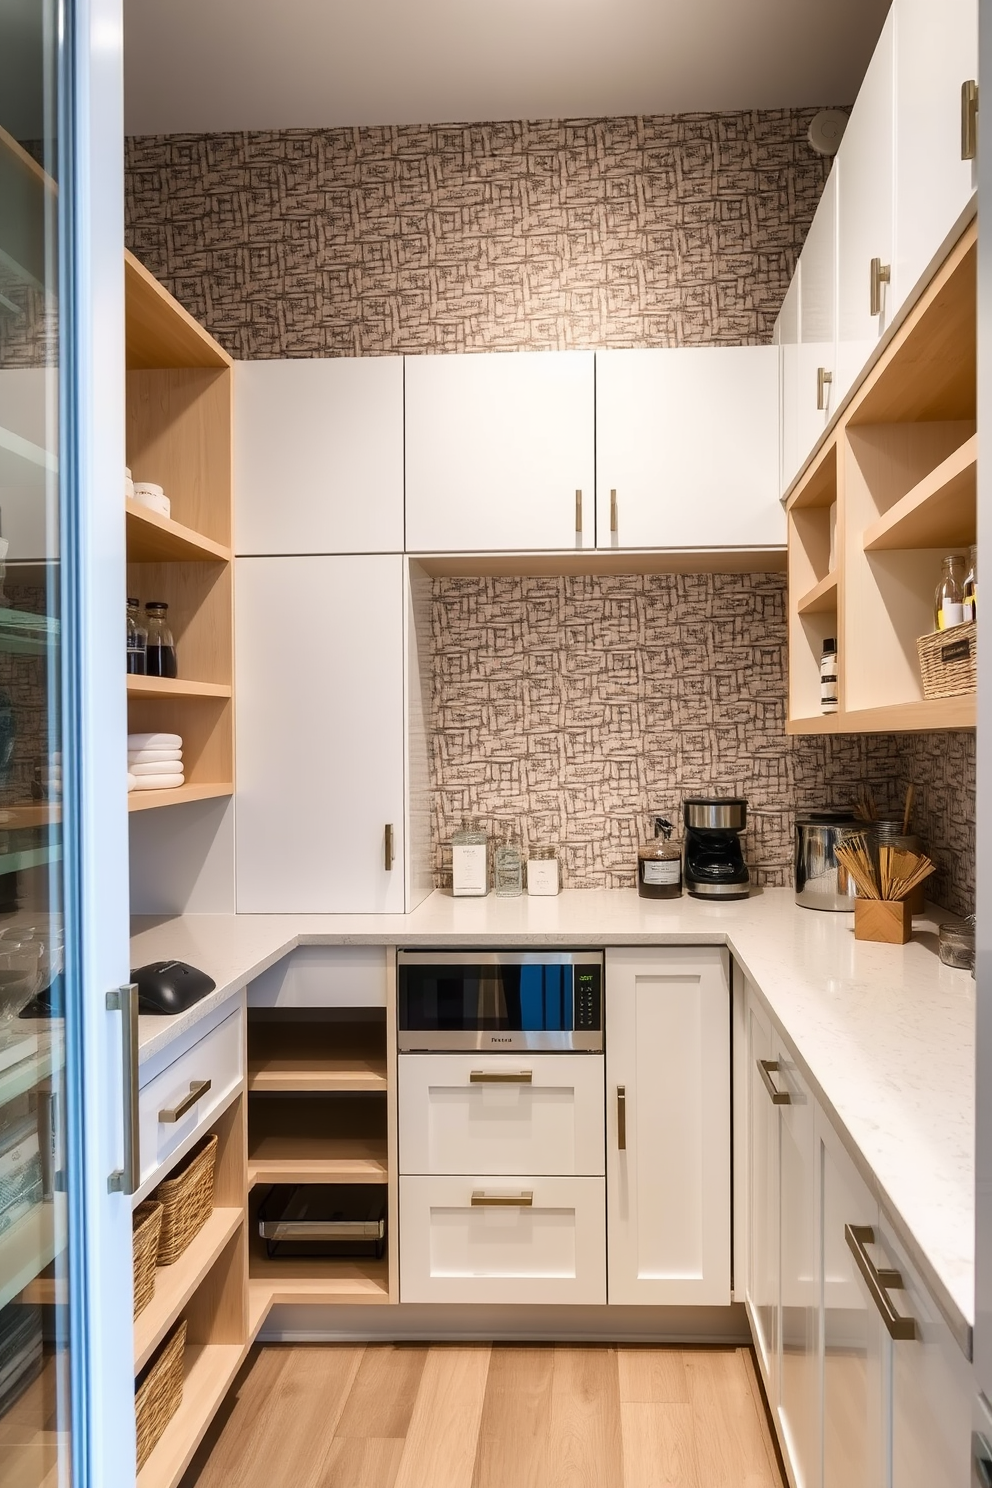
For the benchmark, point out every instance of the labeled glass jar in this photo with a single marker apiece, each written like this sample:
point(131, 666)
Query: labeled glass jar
point(508, 869)
point(948, 603)
point(828, 676)
point(161, 648)
point(137, 641)
point(543, 870)
point(659, 864)
point(470, 861)
point(971, 587)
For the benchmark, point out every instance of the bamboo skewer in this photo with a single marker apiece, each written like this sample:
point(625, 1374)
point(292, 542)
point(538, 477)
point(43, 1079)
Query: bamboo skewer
point(899, 872)
point(908, 812)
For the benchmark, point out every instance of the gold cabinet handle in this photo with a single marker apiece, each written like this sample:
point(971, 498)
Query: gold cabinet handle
point(824, 377)
point(483, 1200)
point(176, 1113)
point(578, 513)
point(767, 1068)
point(879, 1281)
point(969, 120)
point(621, 1118)
point(389, 847)
point(614, 514)
point(880, 274)
point(501, 1077)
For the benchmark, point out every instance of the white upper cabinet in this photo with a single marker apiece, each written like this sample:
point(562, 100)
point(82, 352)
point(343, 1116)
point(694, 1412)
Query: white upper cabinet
point(668, 1126)
point(318, 450)
point(500, 452)
point(816, 359)
point(687, 439)
point(936, 45)
point(865, 218)
point(787, 341)
point(319, 688)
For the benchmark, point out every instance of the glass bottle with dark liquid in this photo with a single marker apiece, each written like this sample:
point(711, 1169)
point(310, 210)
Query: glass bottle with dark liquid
point(137, 642)
point(659, 864)
point(161, 652)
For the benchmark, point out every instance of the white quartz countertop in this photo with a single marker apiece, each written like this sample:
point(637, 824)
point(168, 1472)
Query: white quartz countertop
point(886, 1034)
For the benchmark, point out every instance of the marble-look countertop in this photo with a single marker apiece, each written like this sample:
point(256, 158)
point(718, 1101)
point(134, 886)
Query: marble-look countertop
point(885, 1034)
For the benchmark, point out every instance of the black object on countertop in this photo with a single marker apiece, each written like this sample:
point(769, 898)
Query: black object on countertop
point(168, 987)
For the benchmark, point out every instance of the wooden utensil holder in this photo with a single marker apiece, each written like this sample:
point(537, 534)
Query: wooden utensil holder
point(888, 920)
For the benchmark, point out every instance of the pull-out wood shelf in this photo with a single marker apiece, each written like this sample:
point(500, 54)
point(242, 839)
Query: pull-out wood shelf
point(320, 1056)
point(316, 1139)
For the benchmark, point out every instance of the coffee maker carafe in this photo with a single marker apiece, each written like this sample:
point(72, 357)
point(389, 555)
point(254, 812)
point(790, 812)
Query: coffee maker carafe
point(714, 862)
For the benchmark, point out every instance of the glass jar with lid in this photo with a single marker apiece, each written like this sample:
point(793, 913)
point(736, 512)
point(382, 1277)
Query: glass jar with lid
point(949, 599)
point(161, 648)
point(470, 861)
point(508, 869)
point(137, 641)
point(543, 869)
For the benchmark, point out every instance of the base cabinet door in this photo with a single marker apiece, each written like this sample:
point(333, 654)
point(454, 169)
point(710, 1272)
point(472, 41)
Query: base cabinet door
point(506, 1239)
point(763, 1156)
point(668, 1125)
point(799, 1361)
point(500, 451)
point(319, 662)
point(687, 448)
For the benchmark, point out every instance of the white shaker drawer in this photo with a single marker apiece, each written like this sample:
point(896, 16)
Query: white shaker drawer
point(502, 1113)
point(509, 1239)
point(217, 1057)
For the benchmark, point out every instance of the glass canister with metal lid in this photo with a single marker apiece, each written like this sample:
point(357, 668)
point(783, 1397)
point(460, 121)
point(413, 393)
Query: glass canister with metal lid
point(821, 881)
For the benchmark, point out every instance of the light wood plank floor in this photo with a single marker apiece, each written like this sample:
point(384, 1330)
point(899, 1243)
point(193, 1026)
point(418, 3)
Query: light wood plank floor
point(474, 1416)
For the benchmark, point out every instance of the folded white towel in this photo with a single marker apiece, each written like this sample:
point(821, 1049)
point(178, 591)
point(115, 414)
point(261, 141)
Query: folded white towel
point(157, 782)
point(154, 741)
point(155, 756)
point(155, 768)
point(131, 782)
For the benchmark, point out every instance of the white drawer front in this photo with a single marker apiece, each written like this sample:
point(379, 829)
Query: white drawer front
point(217, 1057)
point(457, 1117)
point(551, 1250)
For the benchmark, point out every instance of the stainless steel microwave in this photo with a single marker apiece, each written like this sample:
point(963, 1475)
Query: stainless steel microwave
point(500, 1000)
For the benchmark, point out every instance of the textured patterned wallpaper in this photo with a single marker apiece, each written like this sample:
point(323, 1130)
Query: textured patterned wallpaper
point(574, 709)
point(666, 231)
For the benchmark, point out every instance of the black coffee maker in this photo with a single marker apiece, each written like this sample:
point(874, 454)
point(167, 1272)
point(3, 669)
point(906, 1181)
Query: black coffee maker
point(714, 863)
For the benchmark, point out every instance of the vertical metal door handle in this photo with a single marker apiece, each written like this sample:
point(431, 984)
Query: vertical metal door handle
point(878, 1281)
point(824, 377)
point(767, 1068)
point(389, 847)
point(621, 1118)
point(614, 521)
point(880, 274)
point(969, 119)
point(578, 513)
point(127, 1180)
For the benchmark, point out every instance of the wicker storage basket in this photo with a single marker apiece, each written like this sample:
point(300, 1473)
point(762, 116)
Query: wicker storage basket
point(146, 1222)
point(949, 661)
point(187, 1198)
point(160, 1392)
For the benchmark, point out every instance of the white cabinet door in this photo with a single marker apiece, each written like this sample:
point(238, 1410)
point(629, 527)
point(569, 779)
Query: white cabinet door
point(936, 50)
point(865, 215)
point(492, 1113)
point(668, 1125)
point(318, 456)
point(319, 667)
point(855, 1352)
point(509, 1239)
point(762, 1282)
point(932, 1388)
point(799, 1363)
point(816, 358)
point(498, 448)
point(787, 340)
point(687, 438)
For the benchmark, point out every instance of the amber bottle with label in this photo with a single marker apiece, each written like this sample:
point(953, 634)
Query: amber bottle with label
point(659, 864)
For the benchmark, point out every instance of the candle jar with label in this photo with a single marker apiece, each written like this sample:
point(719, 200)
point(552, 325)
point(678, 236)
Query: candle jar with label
point(543, 870)
point(470, 861)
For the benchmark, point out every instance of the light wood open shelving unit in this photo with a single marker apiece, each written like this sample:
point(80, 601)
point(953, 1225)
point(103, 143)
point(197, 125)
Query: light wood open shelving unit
point(900, 463)
point(179, 434)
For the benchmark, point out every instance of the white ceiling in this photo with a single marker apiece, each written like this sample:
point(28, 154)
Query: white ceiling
point(216, 65)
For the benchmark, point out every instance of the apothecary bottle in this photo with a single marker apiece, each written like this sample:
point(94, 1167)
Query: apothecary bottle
point(949, 600)
point(161, 647)
point(828, 676)
point(971, 587)
point(137, 641)
point(659, 864)
point(508, 869)
point(470, 861)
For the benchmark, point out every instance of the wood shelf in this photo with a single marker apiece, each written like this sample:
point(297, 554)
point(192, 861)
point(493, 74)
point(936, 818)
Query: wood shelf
point(817, 486)
point(152, 538)
point(208, 1370)
point(148, 800)
point(175, 1284)
point(175, 687)
point(301, 1158)
point(159, 332)
point(317, 1281)
point(316, 1056)
point(915, 717)
point(31, 1244)
point(940, 511)
point(821, 599)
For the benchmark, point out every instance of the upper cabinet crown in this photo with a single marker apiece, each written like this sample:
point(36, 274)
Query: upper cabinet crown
point(318, 446)
point(500, 451)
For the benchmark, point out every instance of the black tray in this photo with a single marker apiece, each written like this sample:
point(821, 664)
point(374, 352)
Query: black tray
point(324, 1220)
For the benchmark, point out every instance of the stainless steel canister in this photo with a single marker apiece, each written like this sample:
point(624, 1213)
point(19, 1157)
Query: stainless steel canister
point(822, 882)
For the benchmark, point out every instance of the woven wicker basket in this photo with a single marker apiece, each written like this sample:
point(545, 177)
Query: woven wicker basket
point(949, 661)
point(160, 1392)
point(146, 1222)
point(187, 1197)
